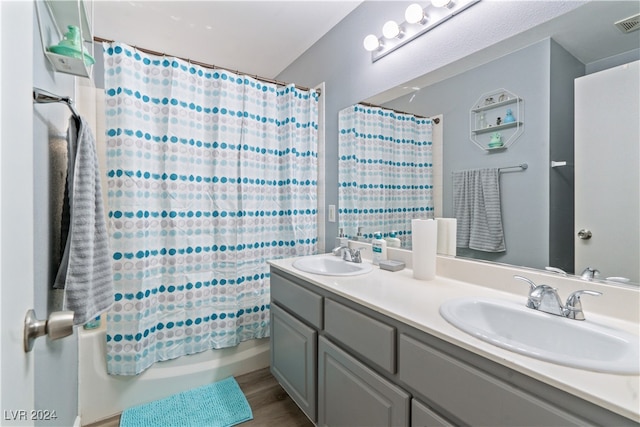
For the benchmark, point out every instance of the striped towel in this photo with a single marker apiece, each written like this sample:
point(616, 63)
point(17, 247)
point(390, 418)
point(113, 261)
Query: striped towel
point(85, 269)
point(476, 206)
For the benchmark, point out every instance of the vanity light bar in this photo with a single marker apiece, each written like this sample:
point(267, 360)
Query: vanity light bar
point(433, 16)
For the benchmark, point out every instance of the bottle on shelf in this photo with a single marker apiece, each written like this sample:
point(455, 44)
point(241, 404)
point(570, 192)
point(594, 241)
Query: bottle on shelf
point(482, 121)
point(508, 118)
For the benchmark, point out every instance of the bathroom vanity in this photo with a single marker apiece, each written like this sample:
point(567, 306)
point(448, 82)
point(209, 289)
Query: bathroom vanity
point(373, 350)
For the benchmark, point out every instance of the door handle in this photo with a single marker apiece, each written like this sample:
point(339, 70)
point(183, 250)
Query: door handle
point(584, 234)
point(58, 325)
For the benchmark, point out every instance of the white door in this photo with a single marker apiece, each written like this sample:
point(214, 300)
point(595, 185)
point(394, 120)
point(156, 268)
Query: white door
point(16, 211)
point(607, 178)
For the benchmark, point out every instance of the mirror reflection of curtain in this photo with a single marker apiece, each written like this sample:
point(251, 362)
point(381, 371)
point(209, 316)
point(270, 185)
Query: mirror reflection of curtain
point(385, 171)
point(210, 175)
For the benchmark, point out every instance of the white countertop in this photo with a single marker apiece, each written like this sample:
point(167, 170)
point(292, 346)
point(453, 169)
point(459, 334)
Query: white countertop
point(416, 303)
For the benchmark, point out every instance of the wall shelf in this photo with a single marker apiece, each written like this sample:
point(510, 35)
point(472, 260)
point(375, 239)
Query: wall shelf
point(496, 127)
point(63, 14)
point(486, 118)
point(495, 104)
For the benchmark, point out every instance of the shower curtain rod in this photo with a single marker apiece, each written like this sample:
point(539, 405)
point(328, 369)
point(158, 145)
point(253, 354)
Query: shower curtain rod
point(368, 104)
point(211, 66)
point(41, 96)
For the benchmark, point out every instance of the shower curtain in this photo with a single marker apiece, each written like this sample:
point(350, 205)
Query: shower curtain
point(210, 174)
point(385, 171)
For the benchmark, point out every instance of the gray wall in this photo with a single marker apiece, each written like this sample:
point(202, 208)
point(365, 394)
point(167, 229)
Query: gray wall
point(56, 362)
point(339, 60)
point(525, 203)
point(613, 61)
point(537, 204)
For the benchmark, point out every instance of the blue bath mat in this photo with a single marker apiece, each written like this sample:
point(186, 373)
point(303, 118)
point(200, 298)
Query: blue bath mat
point(220, 404)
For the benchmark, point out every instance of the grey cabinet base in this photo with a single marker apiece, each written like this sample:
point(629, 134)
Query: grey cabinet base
point(294, 359)
point(435, 382)
point(350, 394)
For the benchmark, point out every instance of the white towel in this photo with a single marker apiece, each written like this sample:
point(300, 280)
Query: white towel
point(85, 271)
point(476, 206)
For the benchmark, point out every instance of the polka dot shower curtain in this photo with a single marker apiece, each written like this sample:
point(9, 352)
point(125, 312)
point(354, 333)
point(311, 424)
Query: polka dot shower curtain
point(385, 171)
point(210, 174)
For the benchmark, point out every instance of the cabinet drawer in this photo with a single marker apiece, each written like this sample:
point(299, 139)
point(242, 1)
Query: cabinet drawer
point(294, 358)
point(369, 337)
point(351, 394)
point(305, 304)
point(473, 396)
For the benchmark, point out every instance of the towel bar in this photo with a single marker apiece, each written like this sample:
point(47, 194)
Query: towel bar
point(43, 97)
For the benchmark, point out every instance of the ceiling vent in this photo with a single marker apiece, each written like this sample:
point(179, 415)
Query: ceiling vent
point(629, 24)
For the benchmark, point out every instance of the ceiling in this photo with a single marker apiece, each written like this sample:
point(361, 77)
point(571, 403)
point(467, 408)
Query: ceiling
point(264, 37)
point(255, 37)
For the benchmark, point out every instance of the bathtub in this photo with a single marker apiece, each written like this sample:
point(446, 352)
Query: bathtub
point(101, 396)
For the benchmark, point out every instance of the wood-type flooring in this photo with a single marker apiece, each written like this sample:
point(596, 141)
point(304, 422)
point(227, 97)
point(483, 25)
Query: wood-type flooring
point(270, 404)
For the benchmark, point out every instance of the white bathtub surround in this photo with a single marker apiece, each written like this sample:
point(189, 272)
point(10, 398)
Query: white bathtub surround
point(447, 236)
point(101, 396)
point(416, 303)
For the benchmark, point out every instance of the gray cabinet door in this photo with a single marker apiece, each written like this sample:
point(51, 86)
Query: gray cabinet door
point(350, 394)
point(293, 359)
point(422, 416)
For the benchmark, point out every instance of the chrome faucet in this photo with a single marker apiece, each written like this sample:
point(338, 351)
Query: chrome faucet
point(545, 298)
point(337, 251)
point(349, 255)
point(590, 273)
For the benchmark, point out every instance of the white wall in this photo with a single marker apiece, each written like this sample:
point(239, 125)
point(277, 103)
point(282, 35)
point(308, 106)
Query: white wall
point(16, 205)
point(56, 362)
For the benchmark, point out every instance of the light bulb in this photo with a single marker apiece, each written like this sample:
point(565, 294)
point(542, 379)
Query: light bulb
point(371, 43)
point(414, 14)
point(441, 3)
point(390, 29)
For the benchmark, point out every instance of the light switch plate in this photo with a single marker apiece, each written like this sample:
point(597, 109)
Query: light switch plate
point(332, 213)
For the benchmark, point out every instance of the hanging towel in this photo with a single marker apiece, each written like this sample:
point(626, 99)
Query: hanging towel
point(476, 206)
point(85, 271)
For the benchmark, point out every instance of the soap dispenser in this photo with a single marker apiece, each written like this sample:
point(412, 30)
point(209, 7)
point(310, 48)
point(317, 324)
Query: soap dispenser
point(392, 240)
point(379, 248)
point(342, 240)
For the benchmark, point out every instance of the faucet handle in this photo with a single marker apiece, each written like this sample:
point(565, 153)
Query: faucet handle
point(532, 285)
point(556, 270)
point(574, 306)
point(356, 256)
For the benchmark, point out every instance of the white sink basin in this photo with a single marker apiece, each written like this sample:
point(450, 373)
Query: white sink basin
point(575, 343)
point(330, 265)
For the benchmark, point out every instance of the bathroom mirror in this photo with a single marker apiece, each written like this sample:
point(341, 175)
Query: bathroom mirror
point(537, 203)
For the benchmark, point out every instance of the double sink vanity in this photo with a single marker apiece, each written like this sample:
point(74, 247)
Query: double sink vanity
point(355, 345)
